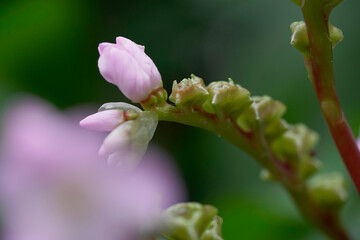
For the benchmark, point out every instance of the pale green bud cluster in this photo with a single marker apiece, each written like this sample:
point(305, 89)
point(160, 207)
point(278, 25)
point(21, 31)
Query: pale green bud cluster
point(296, 147)
point(293, 145)
point(328, 190)
point(300, 39)
point(193, 221)
point(220, 98)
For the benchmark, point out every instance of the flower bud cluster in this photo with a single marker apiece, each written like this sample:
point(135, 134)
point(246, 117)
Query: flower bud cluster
point(220, 98)
point(193, 221)
point(293, 145)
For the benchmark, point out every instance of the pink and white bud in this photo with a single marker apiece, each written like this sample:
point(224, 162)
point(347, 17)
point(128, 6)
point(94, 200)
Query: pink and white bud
point(132, 138)
point(104, 121)
point(126, 65)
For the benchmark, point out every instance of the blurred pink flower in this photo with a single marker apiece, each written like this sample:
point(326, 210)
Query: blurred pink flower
point(358, 142)
point(126, 65)
point(54, 186)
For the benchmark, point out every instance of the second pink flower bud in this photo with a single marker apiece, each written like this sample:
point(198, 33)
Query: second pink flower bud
point(126, 65)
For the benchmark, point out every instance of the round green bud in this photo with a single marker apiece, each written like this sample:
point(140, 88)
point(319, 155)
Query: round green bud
point(228, 98)
point(189, 220)
point(300, 39)
point(336, 35)
point(295, 144)
point(190, 92)
point(328, 190)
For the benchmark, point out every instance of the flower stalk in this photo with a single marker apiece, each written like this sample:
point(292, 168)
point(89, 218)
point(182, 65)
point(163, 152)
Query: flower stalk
point(255, 144)
point(319, 64)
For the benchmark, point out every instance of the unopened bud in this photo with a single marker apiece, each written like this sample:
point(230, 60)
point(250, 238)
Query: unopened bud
point(295, 144)
point(190, 92)
point(131, 139)
point(328, 190)
point(300, 39)
point(189, 220)
point(228, 98)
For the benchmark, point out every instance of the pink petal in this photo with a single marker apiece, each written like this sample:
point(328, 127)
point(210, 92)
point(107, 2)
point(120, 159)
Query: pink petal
point(104, 121)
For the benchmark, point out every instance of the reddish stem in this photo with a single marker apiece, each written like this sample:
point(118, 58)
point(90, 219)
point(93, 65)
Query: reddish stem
point(320, 68)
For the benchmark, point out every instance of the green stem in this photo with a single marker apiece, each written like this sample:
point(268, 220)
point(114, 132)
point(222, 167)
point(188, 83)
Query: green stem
point(320, 68)
point(255, 144)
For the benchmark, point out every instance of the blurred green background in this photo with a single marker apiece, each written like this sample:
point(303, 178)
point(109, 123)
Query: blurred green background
point(49, 48)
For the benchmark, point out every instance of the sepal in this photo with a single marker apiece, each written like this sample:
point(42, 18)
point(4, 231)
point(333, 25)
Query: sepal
point(157, 98)
point(300, 39)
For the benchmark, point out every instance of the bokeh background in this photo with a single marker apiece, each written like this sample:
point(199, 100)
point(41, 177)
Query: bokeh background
point(49, 49)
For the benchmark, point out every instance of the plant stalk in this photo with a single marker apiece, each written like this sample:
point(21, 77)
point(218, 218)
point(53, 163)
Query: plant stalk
point(253, 143)
point(320, 68)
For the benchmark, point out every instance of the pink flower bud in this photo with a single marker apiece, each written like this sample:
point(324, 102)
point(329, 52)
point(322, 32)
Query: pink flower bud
point(104, 121)
point(126, 65)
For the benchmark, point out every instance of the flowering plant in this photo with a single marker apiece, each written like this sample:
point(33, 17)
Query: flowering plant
point(252, 123)
point(58, 181)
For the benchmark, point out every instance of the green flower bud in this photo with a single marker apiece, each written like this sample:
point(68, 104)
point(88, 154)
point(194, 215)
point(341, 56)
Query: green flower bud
point(189, 220)
point(268, 109)
point(213, 231)
point(189, 92)
point(300, 39)
point(296, 143)
point(228, 98)
point(336, 35)
point(328, 190)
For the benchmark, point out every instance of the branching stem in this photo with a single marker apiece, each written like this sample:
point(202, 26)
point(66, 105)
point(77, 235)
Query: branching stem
point(254, 143)
point(320, 68)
